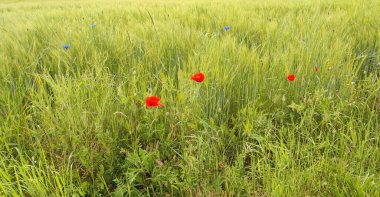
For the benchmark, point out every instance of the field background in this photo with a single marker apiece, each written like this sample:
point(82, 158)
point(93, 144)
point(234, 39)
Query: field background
point(74, 122)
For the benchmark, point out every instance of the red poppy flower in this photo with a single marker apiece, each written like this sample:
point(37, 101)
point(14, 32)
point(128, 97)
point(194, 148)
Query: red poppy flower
point(291, 77)
point(316, 68)
point(199, 77)
point(152, 101)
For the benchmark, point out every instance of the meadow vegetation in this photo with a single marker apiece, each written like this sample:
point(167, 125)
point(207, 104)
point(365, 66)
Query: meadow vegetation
point(73, 121)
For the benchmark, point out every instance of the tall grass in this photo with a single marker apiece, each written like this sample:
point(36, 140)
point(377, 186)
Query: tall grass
point(73, 122)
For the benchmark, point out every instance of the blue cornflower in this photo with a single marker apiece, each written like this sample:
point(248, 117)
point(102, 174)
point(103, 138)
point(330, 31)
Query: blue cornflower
point(66, 46)
point(227, 28)
point(93, 26)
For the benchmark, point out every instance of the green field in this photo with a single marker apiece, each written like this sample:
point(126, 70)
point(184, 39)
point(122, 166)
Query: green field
point(73, 121)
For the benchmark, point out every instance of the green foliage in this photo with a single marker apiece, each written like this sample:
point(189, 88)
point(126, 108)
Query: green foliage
point(74, 123)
